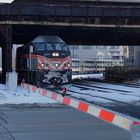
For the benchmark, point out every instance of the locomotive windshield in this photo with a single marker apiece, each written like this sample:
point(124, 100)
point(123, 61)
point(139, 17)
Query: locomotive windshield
point(48, 48)
point(56, 47)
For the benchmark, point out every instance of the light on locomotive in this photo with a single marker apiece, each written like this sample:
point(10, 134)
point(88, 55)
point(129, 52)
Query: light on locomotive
point(69, 65)
point(56, 64)
point(55, 54)
point(42, 64)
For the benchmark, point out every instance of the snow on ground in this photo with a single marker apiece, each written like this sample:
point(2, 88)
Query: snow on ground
point(22, 96)
point(102, 95)
point(111, 87)
point(100, 92)
point(96, 76)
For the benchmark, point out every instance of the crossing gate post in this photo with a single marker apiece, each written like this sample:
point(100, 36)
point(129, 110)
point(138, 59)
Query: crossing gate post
point(135, 132)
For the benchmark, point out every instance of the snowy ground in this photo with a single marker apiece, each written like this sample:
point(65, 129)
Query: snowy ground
point(102, 93)
point(105, 93)
point(22, 96)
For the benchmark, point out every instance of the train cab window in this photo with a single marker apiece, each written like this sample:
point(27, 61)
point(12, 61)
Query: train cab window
point(65, 48)
point(40, 47)
point(58, 46)
point(49, 47)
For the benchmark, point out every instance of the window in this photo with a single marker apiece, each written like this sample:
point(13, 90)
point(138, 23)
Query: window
point(58, 47)
point(64, 47)
point(40, 46)
point(49, 46)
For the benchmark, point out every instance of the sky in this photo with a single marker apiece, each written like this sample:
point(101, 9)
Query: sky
point(6, 1)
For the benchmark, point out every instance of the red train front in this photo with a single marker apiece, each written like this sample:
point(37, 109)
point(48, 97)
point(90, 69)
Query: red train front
point(45, 62)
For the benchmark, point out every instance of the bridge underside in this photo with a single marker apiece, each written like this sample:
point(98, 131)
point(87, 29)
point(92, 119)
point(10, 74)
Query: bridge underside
point(79, 35)
point(75, 2)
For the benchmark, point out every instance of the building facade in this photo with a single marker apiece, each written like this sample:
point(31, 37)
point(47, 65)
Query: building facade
point(132, 56)
point(90, 59)
point(97, 52)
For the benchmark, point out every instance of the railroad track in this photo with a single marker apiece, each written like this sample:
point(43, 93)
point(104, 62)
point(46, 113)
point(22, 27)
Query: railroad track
point(94, 96)
point(115, 105)
point(118, 84)
point(104, 88)
point(106, 91)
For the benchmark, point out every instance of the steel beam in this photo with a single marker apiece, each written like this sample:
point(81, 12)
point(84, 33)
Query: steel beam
point(6, 32)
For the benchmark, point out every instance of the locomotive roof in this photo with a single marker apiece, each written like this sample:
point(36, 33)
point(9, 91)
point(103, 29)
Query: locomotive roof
point(44, 38)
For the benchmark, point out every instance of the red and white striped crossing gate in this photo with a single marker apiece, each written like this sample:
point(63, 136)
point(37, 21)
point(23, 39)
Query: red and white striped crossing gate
point(130, 124)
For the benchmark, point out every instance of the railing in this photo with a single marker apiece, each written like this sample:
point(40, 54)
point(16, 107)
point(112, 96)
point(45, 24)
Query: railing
point(68, 10)
point(113, 16)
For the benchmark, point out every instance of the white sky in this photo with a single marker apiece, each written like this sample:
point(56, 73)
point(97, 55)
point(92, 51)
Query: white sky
point(6, 1)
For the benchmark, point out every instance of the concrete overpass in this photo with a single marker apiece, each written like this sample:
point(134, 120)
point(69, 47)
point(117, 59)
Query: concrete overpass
point(100, 24)
point(79, 24)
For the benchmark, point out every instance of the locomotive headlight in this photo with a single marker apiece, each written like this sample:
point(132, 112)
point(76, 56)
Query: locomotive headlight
point(69, 65)
point(56, 64)
point(55, 54)
point(42, 64)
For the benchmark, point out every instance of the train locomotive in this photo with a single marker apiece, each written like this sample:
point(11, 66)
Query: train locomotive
point(45, 62)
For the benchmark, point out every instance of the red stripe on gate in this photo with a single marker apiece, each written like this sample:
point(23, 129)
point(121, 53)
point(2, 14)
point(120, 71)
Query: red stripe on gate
point(135, 123)
point(54, 96)
point(66, 100)
point(34, 88)
point(44, 92)
point(83, 106)
point(107, 116)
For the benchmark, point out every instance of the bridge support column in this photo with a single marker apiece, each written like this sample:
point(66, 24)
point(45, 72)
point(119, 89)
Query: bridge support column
point(6, 32)
point(135, 132)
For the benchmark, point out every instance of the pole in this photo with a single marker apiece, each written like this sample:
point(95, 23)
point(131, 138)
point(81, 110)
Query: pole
point(29, 67)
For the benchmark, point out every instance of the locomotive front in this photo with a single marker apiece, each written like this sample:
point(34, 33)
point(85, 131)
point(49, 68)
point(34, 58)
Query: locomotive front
point(45, 62)
point(54, 62)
